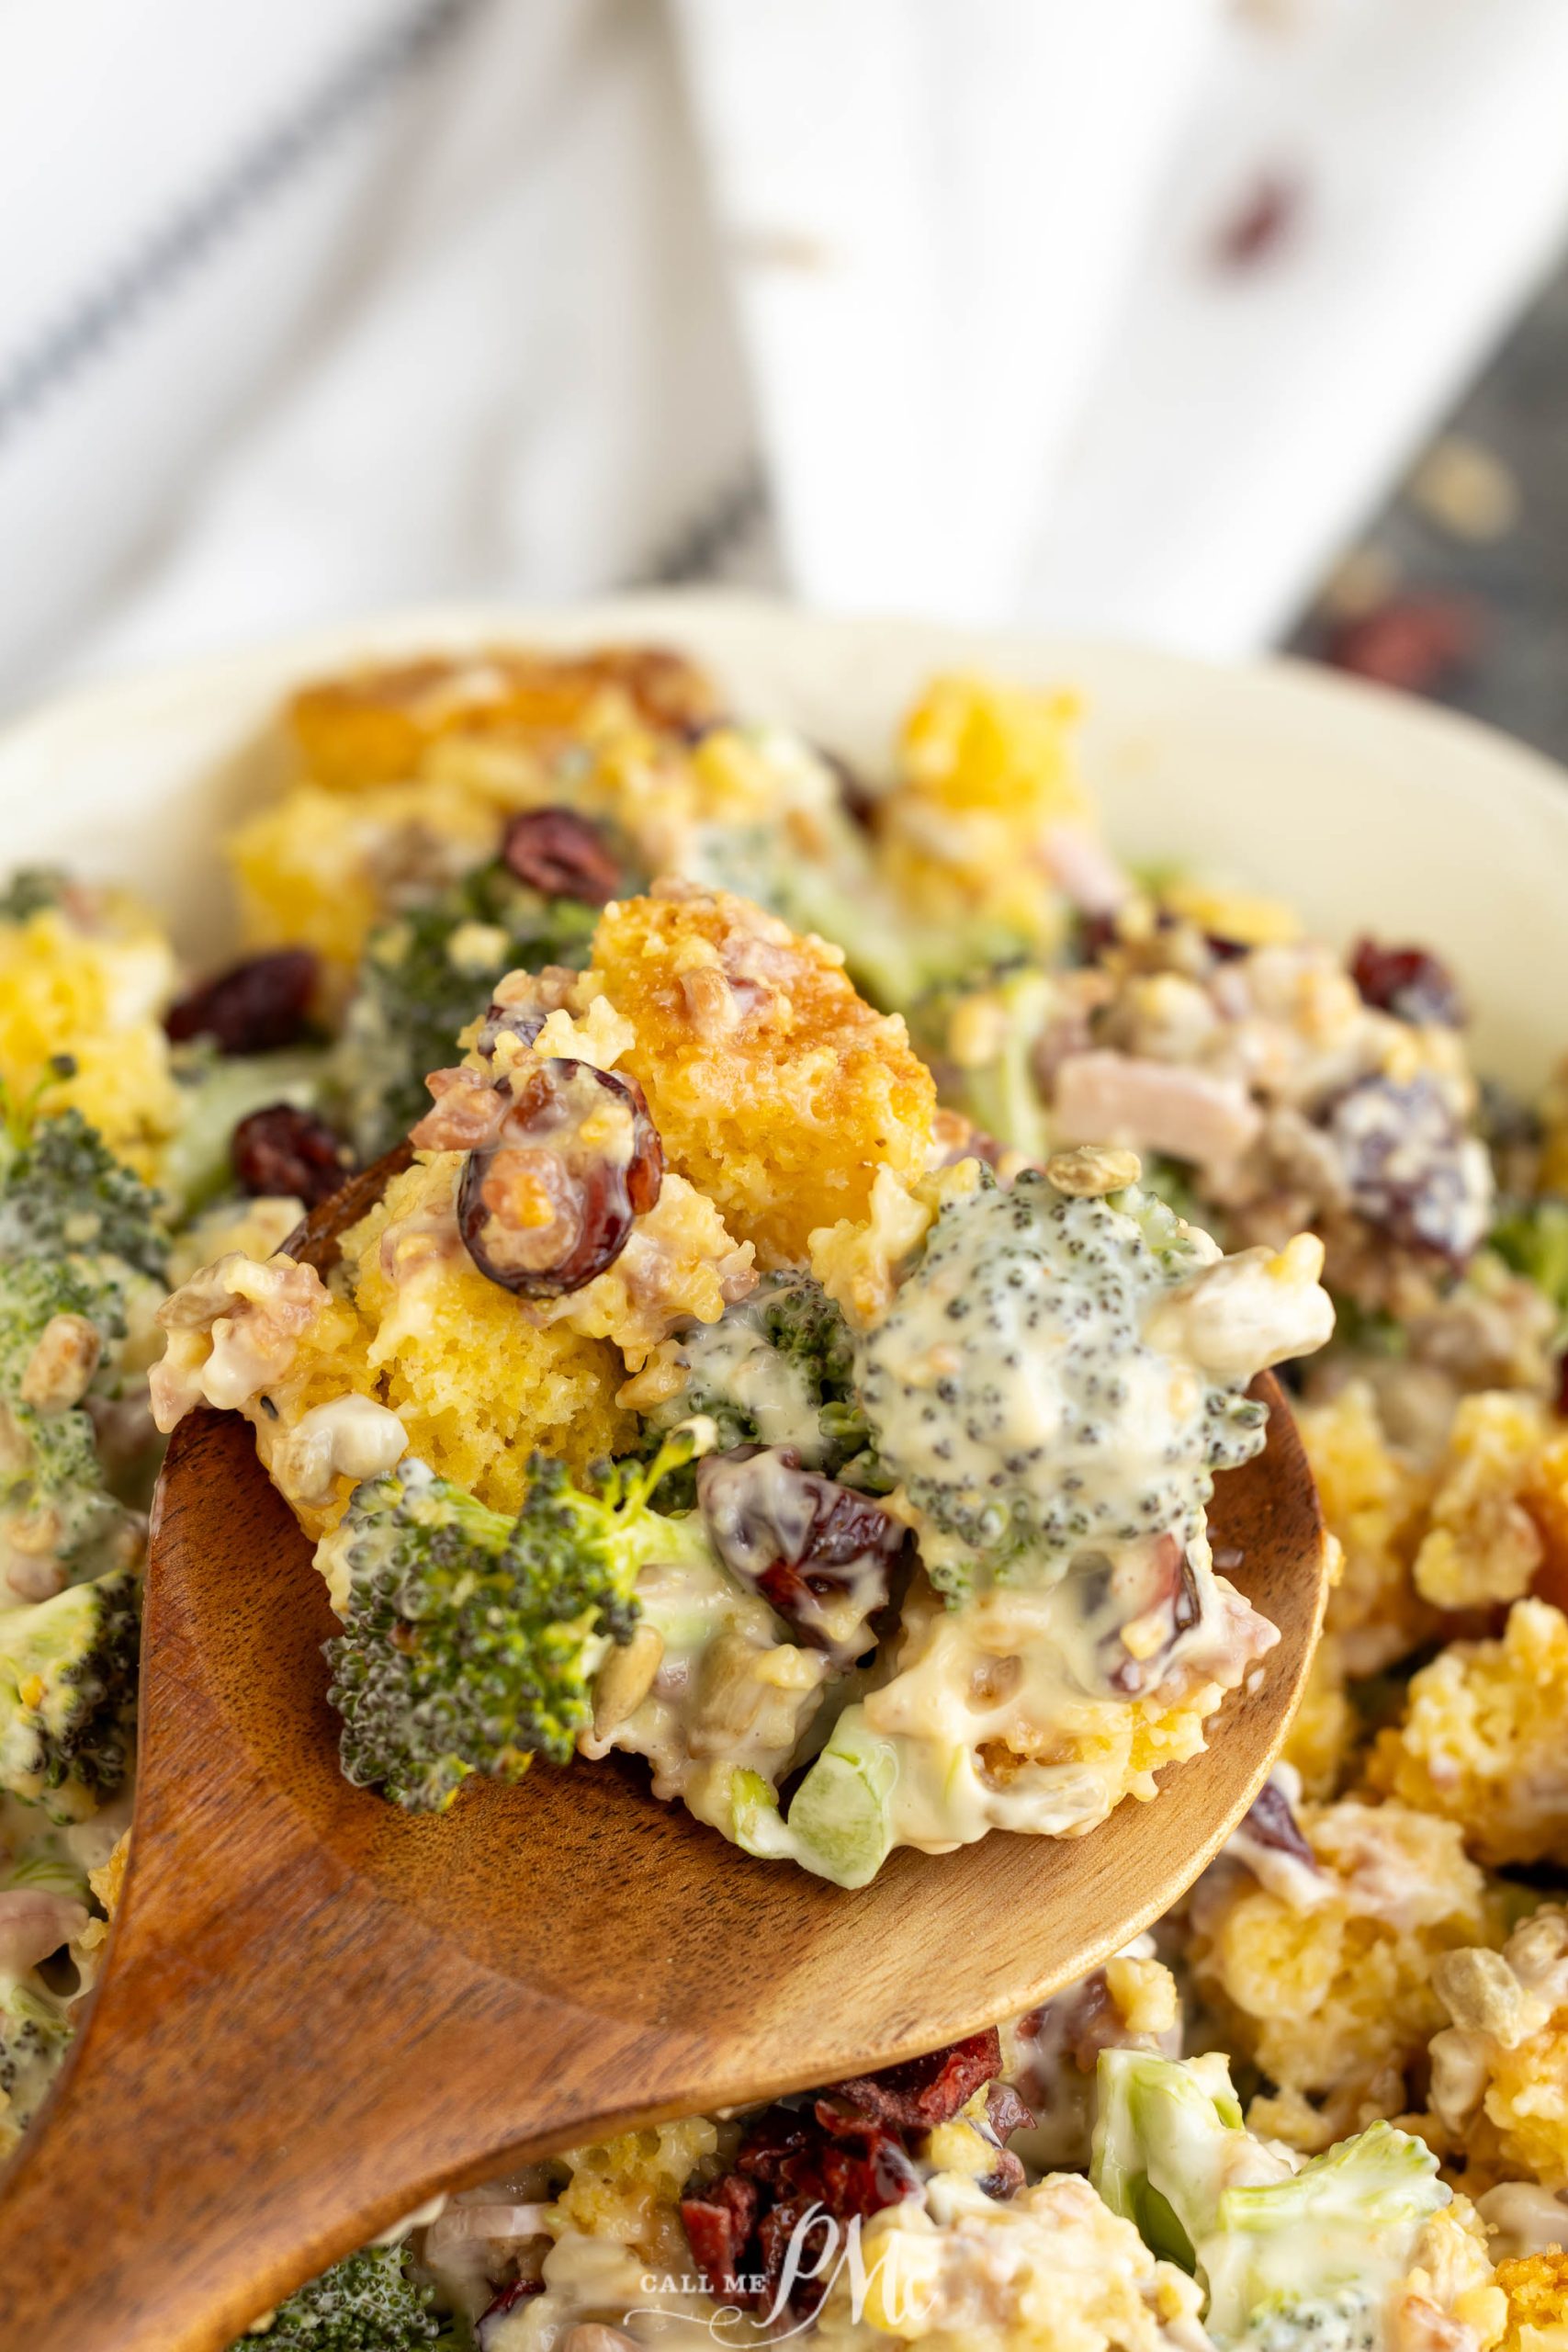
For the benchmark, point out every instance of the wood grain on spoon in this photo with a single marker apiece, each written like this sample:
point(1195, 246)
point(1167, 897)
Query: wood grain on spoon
point(317, 2009)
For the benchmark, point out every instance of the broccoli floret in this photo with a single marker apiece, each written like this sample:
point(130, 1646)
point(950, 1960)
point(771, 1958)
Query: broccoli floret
point(1172, 2156)
point(79, 1238)
point(367, 2302)
point(1532, 1238)
point(426, 976)
point(778, 1369)
point(471, 1639)
point(35, 2033)
point(980, 1032)
point(63, 1193)
point(68, 1695)
point(31, 890)
point(1074, 1432)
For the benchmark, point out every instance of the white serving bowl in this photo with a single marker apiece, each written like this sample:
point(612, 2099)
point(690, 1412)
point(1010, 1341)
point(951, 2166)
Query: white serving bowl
point(1369, 811)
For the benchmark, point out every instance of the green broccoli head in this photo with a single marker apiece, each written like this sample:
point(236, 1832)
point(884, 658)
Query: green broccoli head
point(980, 1032)
point(68, 1695)
point(367, 2302)
point(1532, 1238)
point(63, 1193)
point(471, 1639)
point(80, 1252)
point(35, 2033)
point(426, 976)
point(778, 1369)
point(31, 889)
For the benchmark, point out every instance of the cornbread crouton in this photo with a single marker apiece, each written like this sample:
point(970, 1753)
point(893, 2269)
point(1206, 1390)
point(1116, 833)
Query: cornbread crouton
point(774, 1088)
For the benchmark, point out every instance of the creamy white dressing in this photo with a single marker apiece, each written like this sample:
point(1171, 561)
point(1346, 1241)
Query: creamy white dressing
point(734, 1359)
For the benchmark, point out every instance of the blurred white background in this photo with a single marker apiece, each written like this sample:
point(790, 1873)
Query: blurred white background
point(1121, 317)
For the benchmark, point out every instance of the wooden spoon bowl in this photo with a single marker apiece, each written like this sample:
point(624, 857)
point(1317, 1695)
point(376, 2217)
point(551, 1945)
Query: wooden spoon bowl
point(317, 2009)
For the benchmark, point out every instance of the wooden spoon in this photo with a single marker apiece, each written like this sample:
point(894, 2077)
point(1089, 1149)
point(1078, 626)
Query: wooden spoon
point(317, 2009)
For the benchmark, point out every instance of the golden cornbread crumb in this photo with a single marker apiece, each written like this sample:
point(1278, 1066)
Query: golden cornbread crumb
point(629, 2188)
point(1481, 1542)
point(477, 1383)
point(94, 988)
point(1537, 2288)
point(319, 869)
point(774, 1088)
point(1335, 2002)
point(376, 725)
point(1374, 1501)
point(1484, 1740)
point(108, 1883)
point(1321, 1741)
point(986, 770)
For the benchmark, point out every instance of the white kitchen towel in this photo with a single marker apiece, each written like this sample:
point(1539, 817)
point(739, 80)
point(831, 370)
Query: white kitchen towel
point(306, 308)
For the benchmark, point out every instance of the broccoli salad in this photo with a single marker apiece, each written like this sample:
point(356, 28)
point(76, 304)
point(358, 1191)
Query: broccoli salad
point(845, 1216)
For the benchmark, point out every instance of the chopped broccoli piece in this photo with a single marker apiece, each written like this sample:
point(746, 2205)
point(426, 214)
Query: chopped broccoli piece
point(778, 1369)
point(35, 2033)
point(1162, 2137)
point(367, 2302)
point(1532, 1238)
point(1016, 1281)
point(426, 976)
point(31, 890)
point(79, 1240)
point(1172, 2156)
point(68, 1695)
point(1004, 1009)
point(470, 1640)
point(62, 1193)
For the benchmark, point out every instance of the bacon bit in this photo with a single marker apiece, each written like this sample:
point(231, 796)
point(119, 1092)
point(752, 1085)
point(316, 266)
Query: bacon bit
point(1416, 644)
point(1260, 223)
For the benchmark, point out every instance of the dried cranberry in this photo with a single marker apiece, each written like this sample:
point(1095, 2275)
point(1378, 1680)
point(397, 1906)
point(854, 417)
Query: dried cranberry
point(560, 854)
point(1412, 642)
point(1409, 1168)
point(283, 1150)
point(719, 2222)
point(831, 2157)
point(549, 1203)
point(510, 2298)
point(1261, 222)
point(1269, 1821)
point(257, 1007)
point(923, 2092)
point(1409, 982)
point(818, 1553)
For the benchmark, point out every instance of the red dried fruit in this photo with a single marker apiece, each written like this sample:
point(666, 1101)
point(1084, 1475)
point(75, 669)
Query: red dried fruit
point(549, 1203)
point(820, 1553)
point(257, 1007)
point(923, 2092)
point(830, 2157)
point(1406, 1166)
point(1005, 2111)
point(1260, 223)
point(1168, 1582)
point(1269, 1821)
point(510, 2298)
point(1410, 982)
point(1412, 642)
point(560, 854)
point(283, 1151)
